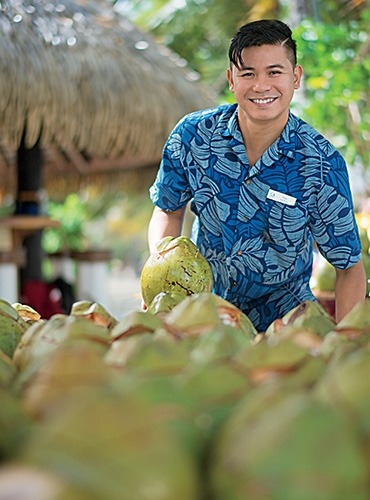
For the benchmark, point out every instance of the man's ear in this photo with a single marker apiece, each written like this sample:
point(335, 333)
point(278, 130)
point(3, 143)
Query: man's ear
point(297, 76)
point(229, 76)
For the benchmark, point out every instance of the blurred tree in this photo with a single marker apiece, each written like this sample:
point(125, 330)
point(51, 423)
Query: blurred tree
point(336, 62)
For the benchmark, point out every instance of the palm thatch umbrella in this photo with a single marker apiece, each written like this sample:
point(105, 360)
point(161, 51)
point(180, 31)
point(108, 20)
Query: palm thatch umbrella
point(84, 94)
point(90, 89)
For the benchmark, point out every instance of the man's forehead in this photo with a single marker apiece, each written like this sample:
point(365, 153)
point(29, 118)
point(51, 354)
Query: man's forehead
point(272, 56)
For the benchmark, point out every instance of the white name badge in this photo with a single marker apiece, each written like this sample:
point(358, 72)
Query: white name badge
point(281, 197)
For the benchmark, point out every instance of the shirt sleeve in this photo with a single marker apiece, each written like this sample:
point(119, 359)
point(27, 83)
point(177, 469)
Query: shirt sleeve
point(171, 190)
point(334, 225)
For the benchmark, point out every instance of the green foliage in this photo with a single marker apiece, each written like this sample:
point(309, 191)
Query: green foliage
point(82, 224)
point(336, 83)
point(71, 215)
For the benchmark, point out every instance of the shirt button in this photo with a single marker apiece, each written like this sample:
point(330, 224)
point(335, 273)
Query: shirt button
point(248, 181)
point(239, 252)
point(245, 217)
point(234, 283)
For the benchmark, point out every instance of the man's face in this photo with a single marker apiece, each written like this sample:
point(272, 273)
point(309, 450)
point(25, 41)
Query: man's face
point(265, 85)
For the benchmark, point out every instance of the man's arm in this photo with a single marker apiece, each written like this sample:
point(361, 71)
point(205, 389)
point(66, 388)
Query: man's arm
point(350, 288)
point(164, 224)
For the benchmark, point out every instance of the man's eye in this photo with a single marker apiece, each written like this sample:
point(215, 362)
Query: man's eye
point(247, 75)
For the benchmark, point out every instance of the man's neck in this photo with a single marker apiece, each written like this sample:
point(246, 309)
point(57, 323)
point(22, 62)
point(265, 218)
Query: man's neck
point(259, 135)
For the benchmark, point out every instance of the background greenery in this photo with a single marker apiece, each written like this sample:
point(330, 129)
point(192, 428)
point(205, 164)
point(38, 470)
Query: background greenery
point(333, 47)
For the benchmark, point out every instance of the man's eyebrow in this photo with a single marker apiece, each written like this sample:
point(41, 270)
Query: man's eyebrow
point(270, 66)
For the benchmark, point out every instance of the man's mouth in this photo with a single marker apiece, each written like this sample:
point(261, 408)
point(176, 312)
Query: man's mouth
point(266, 100)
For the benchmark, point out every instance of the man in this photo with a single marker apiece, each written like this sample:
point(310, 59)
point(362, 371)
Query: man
point(263, 185)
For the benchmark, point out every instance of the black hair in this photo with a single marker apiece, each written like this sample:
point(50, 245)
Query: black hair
point(263, 32)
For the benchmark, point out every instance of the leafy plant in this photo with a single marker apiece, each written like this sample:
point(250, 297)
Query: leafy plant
point(81, 221)
point(336, 83)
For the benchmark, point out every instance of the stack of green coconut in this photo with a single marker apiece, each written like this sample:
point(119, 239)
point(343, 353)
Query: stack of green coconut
point(184, 401)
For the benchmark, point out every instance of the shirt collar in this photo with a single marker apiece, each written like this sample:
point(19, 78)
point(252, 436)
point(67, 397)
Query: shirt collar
point(231, 128)
point(286, 143)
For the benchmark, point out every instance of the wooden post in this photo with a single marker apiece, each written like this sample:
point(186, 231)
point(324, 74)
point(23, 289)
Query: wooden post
point(28, 202)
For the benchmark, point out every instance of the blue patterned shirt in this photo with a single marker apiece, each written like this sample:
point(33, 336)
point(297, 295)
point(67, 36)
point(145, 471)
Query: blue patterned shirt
point(256, 224)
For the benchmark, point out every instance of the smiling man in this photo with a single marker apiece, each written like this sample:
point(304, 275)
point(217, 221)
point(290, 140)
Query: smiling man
point(264, 186)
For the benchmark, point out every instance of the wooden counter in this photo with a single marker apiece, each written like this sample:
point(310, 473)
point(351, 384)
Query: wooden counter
point(22, 226)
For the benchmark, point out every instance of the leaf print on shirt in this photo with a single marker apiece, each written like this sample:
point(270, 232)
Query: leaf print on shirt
point(174, 146)
point(287, 225)
point(334, 212)
point(217, 263)
point(227, 161)
point(200, 154)
point(338, 255)
point(198, 139)
point(279, 266)
point(311, 164)
point(314, 140)
point(324, 145)
point(252, 256)
point(208, 207)
point(250, 198)
point(208, 213)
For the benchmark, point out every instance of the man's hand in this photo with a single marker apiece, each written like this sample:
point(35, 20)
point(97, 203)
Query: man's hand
point(350, 288)
point(164, 224)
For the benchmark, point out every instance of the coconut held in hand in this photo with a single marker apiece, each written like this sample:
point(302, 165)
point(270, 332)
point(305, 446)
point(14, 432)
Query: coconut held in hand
point(177, 265)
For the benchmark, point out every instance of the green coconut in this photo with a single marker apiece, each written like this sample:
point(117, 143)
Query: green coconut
point(285, 446)
point(203, 312)
point(177, 265)
point(15, 425)
point(364, 238)
point(346, 387)
point(220, 344)
point(135, 323)
point(351, 333)
point(310, 315)
point(214, 390)
point(157, 354)
point(325, 276)
point(94, 312)
point(167, 393)
point(112, 448)
point(12, 327)
point(28, 313)
point(357, 318)
point(44, 337)
point(7, 370)
point(66, 375)
point(164, 302)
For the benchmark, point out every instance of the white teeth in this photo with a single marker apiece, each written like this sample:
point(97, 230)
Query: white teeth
point(263, 101)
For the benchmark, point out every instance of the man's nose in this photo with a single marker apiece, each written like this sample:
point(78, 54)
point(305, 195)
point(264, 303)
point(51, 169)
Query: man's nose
point(261, 83)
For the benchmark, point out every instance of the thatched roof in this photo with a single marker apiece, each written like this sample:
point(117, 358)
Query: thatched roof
point(99, 94)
